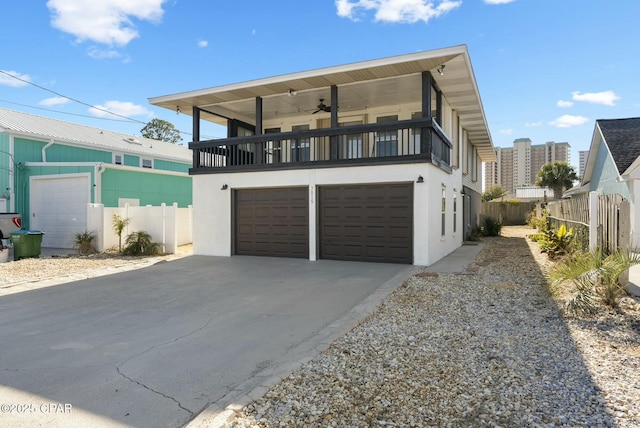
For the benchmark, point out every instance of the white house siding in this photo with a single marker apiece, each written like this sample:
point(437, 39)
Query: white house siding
point(212, 212)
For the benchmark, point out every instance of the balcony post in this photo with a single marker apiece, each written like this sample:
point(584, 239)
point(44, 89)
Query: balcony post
point(334, 141)
point(425, 133)
point(259, 147)
point(196, 134)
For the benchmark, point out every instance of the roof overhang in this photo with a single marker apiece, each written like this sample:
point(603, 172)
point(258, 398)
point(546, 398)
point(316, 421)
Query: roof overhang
point(361, 85)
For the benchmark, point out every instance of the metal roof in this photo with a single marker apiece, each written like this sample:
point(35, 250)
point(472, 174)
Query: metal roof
point(362, 85)
point(46, 129)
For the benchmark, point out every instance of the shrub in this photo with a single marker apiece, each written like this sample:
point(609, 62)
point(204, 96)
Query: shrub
point(84, 242)
point(591, 279)
point(539, 223)
point(140, 244)
point(557, 243)
point(491, 227)
point(536, 237)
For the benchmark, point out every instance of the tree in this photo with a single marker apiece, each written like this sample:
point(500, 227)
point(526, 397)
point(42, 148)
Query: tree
point(558, 176)
point(158, 129)
point(494, 192)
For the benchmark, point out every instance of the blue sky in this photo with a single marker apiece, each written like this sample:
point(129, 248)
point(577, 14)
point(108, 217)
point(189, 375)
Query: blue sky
point(546, 69)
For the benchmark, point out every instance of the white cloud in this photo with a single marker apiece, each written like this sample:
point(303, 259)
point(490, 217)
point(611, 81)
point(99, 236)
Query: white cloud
point(97, 53)
point(564, 104)
point(568, 121)
point(607, 98)
point(533, 124)
point(54, 101)
point(122, 108)
point(402, 11)
point(10, 81)
point(203, 43)
point(498, 1)
point(105, 21)
point(506, 131)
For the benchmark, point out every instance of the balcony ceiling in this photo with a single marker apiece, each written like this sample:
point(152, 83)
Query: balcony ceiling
point(361, 86)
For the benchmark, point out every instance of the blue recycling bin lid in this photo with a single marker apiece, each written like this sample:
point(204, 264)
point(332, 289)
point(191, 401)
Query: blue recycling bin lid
point(27, 232)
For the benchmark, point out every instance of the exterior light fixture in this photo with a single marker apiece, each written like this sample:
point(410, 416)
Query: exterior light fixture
point(225, 186)
point(178, 111)
point(292, 93)
point(420, 179)
point(440, 70)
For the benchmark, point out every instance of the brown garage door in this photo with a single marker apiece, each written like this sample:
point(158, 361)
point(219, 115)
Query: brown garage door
point(272, 222)
point(372, 223)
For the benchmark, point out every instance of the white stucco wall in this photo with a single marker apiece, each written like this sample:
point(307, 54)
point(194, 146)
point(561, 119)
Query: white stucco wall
point(212, 207)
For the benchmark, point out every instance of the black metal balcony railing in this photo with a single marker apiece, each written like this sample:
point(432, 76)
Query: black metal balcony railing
point(416, 140)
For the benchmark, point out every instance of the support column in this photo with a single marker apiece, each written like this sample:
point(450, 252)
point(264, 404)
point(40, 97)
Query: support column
point(196, 124)
point(195, 128)
point(334, 145)
point(259, 154)
point(425, 133)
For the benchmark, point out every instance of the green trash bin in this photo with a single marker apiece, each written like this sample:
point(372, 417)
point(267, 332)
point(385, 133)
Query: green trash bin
point(26, 243)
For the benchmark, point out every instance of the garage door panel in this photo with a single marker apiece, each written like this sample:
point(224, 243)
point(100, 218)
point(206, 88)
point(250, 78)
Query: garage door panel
point(58, 207)
point(272, 222)
point(367, 222)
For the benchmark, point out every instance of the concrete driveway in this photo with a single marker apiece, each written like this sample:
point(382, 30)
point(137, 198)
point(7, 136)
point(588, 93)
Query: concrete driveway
point(154, 347)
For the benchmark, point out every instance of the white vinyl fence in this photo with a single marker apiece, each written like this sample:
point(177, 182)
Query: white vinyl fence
point(168, 225)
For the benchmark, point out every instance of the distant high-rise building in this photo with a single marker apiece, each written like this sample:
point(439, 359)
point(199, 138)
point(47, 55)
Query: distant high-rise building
point(518, 166)
point(584, 154)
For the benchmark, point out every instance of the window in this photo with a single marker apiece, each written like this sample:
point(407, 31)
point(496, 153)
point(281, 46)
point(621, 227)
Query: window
point(352, 143)
point(147, 163)
point(444, 208)
point(117, 159)
point(273, 149)
point(387, 141)
point(455, 210)
point(300, 147)
point(416, 135)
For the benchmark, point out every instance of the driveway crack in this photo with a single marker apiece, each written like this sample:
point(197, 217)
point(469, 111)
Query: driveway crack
point(152, 348)
point(154, 391)
point(157, 345)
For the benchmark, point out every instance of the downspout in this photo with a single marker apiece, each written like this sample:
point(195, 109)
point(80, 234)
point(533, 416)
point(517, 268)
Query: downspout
point(12, 176)
point(44, 150)
point(97, 186)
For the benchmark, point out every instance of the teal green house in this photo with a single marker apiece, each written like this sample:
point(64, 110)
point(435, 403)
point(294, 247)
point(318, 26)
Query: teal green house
point(50, 170)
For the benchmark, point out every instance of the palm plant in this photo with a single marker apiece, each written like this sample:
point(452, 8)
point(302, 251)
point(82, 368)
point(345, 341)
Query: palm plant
point(592, 278)
point(119, 224)
point(139, 244)
point(558, 176)
point(84, 242)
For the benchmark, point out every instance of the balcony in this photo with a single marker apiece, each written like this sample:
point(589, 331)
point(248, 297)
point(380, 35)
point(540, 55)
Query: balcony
point(416, 140)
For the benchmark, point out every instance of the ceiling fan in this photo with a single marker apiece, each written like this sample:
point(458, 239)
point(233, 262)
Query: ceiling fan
point(322, 107)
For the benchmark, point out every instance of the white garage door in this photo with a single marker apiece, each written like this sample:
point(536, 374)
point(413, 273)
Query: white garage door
point(59, 208)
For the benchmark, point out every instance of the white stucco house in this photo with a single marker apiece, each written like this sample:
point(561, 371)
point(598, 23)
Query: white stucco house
point(372, 161)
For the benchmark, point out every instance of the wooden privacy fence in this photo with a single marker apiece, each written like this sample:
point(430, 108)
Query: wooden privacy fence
point(508, 213)
point(599, 221)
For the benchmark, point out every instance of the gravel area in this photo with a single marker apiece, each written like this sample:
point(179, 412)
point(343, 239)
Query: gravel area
point(32, 273)
point(487, 347)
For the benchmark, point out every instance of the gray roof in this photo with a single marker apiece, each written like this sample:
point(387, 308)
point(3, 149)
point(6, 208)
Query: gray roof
point(43, 128)
point(622, 136)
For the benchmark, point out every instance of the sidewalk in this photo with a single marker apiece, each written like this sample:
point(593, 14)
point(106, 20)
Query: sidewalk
point(458, 260)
